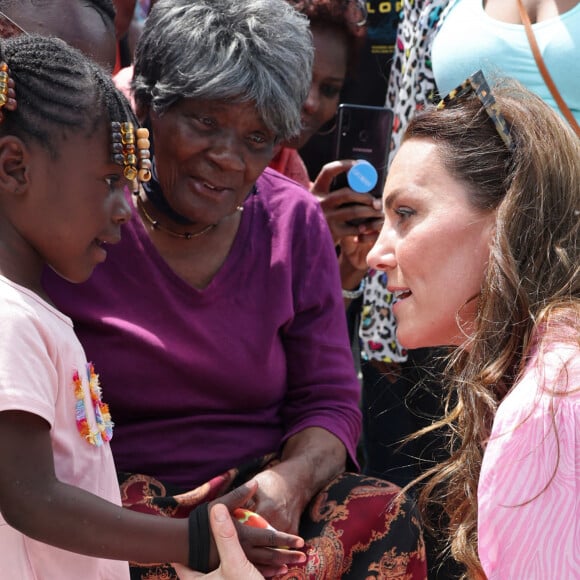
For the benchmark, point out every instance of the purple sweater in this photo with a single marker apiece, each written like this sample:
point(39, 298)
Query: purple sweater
point(199, 381)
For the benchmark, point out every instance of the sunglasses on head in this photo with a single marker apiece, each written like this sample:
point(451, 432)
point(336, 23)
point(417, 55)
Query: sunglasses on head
point(477, 84)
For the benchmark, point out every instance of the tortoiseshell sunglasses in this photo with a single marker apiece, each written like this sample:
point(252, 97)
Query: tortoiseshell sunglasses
point(477, 83)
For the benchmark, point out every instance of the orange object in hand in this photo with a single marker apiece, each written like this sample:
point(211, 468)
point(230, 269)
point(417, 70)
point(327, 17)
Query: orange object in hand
point(249, 518)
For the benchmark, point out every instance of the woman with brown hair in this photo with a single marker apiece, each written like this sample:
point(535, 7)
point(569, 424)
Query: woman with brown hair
point(481, 247)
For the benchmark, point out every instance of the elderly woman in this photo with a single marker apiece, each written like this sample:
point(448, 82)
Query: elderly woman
point(217, 323)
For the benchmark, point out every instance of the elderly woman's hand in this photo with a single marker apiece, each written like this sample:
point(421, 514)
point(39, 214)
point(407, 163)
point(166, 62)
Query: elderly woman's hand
point(310, 459)
point(279, 499)
point(344, 205)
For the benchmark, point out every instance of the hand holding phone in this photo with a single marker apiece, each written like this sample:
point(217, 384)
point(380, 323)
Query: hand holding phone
point(347, 212)
point(364, 133)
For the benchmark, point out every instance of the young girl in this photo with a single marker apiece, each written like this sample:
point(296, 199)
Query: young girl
point(68, 148)
point(481, 248)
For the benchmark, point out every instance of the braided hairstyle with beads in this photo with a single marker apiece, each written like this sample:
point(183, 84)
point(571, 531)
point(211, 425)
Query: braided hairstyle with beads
point(57, 89)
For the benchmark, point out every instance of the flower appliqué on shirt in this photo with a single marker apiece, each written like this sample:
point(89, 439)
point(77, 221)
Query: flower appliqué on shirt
point(104, 430)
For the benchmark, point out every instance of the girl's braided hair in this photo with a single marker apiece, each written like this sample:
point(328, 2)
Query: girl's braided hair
point(57, 89)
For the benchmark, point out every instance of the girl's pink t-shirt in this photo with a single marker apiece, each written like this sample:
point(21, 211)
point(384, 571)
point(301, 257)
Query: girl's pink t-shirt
point(41, 363)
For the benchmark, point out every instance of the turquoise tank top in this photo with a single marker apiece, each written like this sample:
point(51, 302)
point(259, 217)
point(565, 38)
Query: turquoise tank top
point(470, 40)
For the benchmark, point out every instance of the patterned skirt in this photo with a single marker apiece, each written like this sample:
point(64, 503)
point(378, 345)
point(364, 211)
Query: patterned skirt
point(356, 528)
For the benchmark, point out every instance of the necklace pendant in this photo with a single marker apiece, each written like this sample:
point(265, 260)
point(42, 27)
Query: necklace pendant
point(157, 225)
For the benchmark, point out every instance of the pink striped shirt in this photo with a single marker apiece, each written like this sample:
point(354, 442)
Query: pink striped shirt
point(529, 487)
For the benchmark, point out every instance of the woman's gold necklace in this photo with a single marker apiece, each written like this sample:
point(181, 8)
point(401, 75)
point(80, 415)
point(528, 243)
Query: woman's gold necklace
point(156, 225)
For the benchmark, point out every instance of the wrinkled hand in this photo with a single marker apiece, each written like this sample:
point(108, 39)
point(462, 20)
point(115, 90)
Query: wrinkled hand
point(234, 565)
point(279, 499)
point(344, 205)
point(258, 544)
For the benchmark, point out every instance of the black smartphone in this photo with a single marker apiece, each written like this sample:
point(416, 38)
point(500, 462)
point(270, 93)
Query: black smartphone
point(364, 132)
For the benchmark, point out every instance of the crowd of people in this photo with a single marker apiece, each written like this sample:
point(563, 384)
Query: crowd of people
point(193, 322)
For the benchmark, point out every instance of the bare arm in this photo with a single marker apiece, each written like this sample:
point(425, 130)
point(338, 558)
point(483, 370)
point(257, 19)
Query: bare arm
point(234, 564)
point(36, 503)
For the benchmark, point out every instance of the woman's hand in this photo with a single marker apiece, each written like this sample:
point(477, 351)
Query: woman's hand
point(280, 500)
point(234, 564)
point(354, 251)
point(263, 547)
point(344, 205)
point(310, 459)
point(352, 260)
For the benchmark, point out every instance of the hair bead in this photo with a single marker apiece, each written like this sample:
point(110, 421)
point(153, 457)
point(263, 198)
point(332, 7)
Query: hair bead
point(143, 143)
point(144, 175)
point(130, 173)
point(143, 154)
point(130, 148)
point(7, 94)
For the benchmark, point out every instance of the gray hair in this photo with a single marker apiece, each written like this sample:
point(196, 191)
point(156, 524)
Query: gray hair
point(227, 50)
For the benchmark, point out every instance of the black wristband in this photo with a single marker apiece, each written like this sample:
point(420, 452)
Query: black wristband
point(199, 537)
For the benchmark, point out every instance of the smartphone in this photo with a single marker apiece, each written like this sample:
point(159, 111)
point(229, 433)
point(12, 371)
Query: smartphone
point(364, 132)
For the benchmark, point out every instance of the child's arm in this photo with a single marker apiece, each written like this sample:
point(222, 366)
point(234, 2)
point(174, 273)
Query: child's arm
point(36, 503)
point(233, 562)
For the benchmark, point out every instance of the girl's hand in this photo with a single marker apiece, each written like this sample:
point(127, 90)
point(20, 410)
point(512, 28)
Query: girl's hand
point(268, 549)
point(234, 565)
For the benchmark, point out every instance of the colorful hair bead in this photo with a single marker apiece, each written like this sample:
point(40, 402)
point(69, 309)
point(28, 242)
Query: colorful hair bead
point(130, 161)
point(130, 149)
point(143, 154)
point(7, 93)
point(3, 84)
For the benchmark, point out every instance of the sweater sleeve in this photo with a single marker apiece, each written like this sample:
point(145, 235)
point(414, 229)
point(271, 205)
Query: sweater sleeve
point(323, 390)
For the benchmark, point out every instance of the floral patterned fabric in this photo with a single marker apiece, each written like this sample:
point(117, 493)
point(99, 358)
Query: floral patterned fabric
point(411, 87)
point(356, 527)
